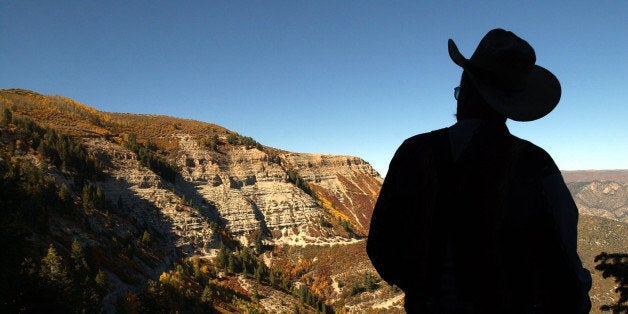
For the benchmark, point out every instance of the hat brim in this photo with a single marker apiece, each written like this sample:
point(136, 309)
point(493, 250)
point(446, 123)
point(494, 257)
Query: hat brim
point(540, 97)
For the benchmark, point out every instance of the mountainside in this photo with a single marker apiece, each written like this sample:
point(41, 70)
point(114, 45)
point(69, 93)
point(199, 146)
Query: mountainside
point(600, 193)
point(158, 211)
point(229, 178)
point(192, 189)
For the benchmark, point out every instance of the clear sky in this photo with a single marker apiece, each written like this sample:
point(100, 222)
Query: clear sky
point(338, 77)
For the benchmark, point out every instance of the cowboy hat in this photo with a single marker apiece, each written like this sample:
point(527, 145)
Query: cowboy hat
point(504, 72)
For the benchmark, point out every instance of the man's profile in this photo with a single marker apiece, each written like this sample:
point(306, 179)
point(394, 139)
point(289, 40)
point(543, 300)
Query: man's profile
point(471, 219)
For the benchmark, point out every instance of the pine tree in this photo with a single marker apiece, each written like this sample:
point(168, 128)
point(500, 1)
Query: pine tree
point(100, 200)
point(271, 278)
point(86, 198)
point(222, 258)
point(146, 237)
point(231, 263)
point(52, 269)
point(53, 285)
point(81, 269)
point(7, 117)
point(259, 272)
point(207, 295)
point(258, 242)
point(64, 193)
point(102, 285)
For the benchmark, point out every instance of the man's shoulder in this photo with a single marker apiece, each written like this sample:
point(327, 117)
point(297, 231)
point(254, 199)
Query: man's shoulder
point(532, 156)
point(417, 146)
point(423, 138)
point(529, 148)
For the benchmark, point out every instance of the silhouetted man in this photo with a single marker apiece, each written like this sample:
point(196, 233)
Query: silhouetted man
point(471, 219)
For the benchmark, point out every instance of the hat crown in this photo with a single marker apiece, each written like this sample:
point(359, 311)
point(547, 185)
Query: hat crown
point(503, 60)
point(504, 72)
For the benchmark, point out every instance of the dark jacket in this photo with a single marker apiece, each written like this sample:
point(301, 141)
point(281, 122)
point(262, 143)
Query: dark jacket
point(471, 218)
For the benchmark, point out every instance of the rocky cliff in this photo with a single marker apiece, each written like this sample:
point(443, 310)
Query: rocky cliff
point(240, 185)
point(193, 187)
point(243, 190)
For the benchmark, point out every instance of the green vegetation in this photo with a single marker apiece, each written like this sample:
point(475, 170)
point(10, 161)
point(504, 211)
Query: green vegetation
point(93, 198)
point(273, 157)
point(360, 283)
point(346, 225)
point(211, 142)
point(31, 278)
point(147, 156)
point(295, 178)
point(248, 142)
point(307, 297)
point(324, 222)
point(7, 117)
point(232, 139)
point(69, 285)
point(60, 150)
point(145, 237)
point(195, 286)
point(190, 287)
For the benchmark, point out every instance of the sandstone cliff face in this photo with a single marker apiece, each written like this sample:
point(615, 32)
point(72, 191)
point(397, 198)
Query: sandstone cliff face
point(348, 185)
point(149, 199)
point(227, 187)
point(243, 190)
point(246, 190)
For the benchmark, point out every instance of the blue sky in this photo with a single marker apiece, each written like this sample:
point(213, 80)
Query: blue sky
point(338, 77)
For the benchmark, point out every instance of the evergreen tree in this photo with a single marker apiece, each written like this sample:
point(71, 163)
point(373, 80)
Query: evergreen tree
point(207, 295)
point(86, 198)
point(232, 139)
point(7, 117)
point(64, 193)
point(271, 278)
point(81, 270)
point(222, 258)
point(145, 237)
point(86, 294)
point(258, 242)
point(231, 267)
point(259, 272)
point(52, 269)
point(102, 285)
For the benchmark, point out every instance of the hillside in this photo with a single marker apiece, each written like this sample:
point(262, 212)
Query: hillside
point(168, 189)
point(602, 200)
point(235, 171)
point(595, 175)
point(142, 212)
point(600, 193)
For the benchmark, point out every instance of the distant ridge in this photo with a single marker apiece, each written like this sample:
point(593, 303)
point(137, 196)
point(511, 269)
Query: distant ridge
point(595, 175)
